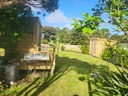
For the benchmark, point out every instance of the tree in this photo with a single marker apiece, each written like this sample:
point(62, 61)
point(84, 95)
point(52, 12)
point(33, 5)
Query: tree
point(14, 23)
point(47, 5)
point(102, 33)
point(64, 35)
point(48, 32)
point(119, 37)
point(117, 11)
point(57, 29)
point(15, 20)
point(78, 39)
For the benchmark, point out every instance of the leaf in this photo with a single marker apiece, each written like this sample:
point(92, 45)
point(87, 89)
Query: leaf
point(76, 21)
point(104, 92)
point(87, 30)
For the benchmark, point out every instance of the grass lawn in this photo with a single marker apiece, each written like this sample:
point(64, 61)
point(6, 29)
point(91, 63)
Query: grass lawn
point(2, 52)
point(70, 78)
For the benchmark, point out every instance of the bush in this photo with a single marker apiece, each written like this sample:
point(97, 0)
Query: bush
point(62, 48)
point(44, 41)
point(108, 53)
point(122, 55)
point(117, 55)
point(84, 49)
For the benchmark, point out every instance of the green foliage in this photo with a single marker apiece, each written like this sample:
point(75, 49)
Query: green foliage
point(108, 53)
point(62, 48)
point(64, 35)
point(44, 41)
point(117, 13)
point(104, 30)
point(47, 5)
point(116, 37)
point(88, 25)
point(79, 39)
point(113, 84)
point(116, 55)
point(15, 22)
point(119, 37)
point(84, 49)
point(2, 52)
point(102, 33)
point(49, 32)
point(121, 56)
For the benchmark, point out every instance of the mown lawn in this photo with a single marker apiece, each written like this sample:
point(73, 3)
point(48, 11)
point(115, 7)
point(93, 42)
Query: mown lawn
point(70, 78)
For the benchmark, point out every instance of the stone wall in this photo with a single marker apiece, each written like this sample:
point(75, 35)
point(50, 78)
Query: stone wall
point(74, 48)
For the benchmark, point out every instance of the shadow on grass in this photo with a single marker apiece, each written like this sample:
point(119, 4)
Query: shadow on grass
point(63, 66)
point(89, 88)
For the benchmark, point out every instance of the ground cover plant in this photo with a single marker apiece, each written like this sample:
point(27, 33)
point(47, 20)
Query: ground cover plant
point(113, 84)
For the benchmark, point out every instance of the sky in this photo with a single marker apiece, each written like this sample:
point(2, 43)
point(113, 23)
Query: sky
point(68, 9)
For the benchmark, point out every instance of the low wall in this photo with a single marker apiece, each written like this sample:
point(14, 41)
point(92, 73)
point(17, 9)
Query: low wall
point(74, 48)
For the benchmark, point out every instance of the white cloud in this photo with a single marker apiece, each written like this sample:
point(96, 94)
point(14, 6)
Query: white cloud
point(59, 19)
point(69, 26)
point(56, 17)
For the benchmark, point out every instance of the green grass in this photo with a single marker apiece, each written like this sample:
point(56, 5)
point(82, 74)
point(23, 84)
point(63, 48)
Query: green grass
point(2, 52)
point(70, 78)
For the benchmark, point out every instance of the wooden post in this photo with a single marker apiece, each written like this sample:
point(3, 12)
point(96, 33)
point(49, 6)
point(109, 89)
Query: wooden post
point(53, 66)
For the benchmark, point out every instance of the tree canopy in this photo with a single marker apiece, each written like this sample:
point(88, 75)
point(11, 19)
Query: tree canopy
point(16, 18)
point(102, 33)
point(14, 22)
point(117, 14)
point(117, 11)
point(48, 32)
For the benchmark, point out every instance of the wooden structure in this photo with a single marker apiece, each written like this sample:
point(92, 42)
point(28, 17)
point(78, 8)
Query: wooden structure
point(41, 64)
point(97, 45)
point(31, 43)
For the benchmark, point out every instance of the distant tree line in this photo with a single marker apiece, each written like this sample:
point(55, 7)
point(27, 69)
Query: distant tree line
point(66, 35)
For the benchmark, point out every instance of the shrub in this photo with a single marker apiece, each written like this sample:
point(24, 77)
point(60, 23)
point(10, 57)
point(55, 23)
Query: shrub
point(62, 48)
point(117, 55)
point(122, 56)
point(44, 41)
point(108, 53)
point(84, 49)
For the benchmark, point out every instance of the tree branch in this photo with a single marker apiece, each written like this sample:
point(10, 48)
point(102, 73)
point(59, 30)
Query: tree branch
point(36, 5)
point(4, 4)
